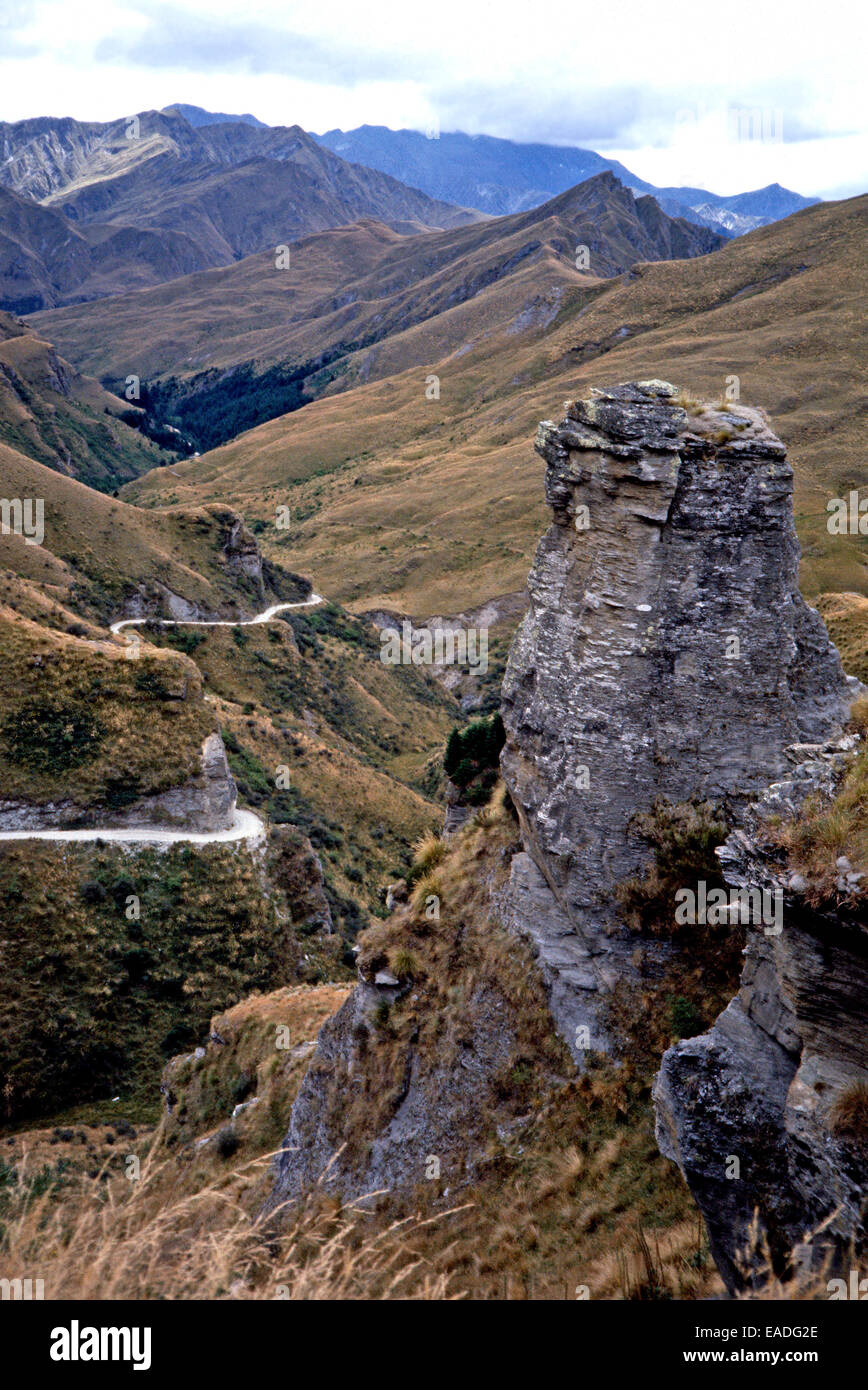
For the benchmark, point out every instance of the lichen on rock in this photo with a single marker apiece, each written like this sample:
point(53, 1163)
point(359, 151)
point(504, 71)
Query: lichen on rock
point(667, 654)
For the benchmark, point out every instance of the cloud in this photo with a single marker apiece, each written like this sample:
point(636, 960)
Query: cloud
point(628, 116)
point(525, 113)
point(15, 15)
point(186, 40)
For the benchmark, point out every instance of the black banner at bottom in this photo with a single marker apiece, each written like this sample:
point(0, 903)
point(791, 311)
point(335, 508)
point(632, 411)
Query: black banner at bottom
point(251, 1339)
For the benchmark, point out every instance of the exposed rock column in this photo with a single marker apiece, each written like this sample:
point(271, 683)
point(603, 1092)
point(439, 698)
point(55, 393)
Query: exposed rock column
point(667, 653)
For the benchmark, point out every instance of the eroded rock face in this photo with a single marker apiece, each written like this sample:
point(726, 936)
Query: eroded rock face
point(295, 867)
point(439, 1106)
point(745, 1110)
point(204, 804)
point(667, 653)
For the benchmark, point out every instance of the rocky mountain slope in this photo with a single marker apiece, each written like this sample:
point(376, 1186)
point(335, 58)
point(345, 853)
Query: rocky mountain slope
point(767, 1114)
point(647, 675)
point(91, 739)
point(440, 1089)
point(92, 209)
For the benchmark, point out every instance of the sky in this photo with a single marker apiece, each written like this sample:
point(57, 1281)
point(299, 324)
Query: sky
point(730, 95)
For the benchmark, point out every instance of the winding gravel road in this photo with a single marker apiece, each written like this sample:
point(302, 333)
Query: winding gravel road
point(245, 826)
point(265, 617)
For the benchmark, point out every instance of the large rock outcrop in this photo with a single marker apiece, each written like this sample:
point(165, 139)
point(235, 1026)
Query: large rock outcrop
point(204, 804)
point(748, 1110)
point(667, 654)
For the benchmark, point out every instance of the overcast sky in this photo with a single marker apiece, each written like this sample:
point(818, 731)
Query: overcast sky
point(658, 86)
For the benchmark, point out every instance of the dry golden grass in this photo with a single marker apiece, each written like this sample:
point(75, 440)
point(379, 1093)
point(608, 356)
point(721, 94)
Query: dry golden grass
point(824, 830)
point(262, 1055)
point(848, 1114)
point(51, 413)
point(142, 722)
point(428, 851)
point(846, 617)
point(403, 515)
point(144, 1239)
point(568, 1192)
point(109, 550)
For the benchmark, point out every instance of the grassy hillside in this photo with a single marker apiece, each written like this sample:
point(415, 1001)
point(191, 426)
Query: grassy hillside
point(94, 1002)
point(568, 1186)
point(356, 285)
point(98, 553)
point(268, 338)
point(52, 414)
point(79, 722)
point(356, 739)
point(434, 505)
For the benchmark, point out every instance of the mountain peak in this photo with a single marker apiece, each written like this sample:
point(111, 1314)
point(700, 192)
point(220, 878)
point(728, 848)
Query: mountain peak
point(199, 116)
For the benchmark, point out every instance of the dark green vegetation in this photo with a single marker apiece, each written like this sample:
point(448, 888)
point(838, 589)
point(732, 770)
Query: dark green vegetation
point(47, 734)
point(113, 962)
point(702, 975)
point(683, 838)
point(214, 406)
point(472, 758)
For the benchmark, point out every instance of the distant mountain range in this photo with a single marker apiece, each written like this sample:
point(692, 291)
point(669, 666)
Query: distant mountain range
point(90, 209)
point(198, 116)
point(500, 176)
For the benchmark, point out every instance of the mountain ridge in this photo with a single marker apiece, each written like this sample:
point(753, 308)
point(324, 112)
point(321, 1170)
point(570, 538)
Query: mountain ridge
point(515, 175)
point(142, 200)
point(350, 290)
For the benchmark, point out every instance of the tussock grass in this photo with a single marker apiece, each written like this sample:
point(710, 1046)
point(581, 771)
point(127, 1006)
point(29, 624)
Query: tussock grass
point(567, 1170)
point(93, 1003)
point(846, 617)
point(428, 851)
point(824, 830)
point(848, 1114)
point(79, 722)
point(429, 886)
point(113, 1238)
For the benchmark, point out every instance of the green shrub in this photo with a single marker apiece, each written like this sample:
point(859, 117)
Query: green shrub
point(472, 758)
point(684, 1018)
point(684, 838)
point(49, 735)
point(227, 1142)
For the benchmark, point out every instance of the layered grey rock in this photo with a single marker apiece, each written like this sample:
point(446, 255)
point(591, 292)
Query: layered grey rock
point(437, 1110)
point(667, 653)
point(205, 803)
point(744, 1110)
